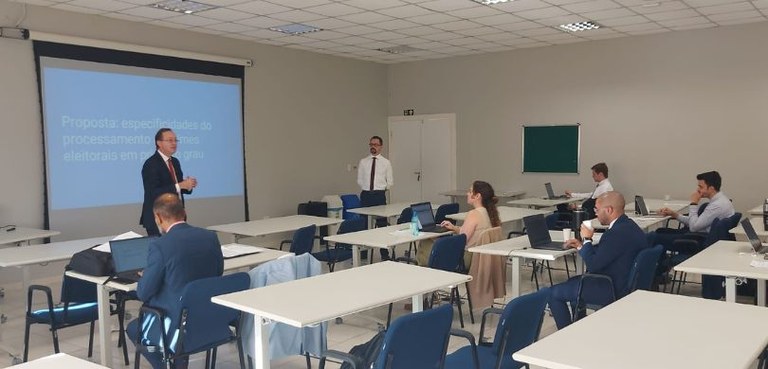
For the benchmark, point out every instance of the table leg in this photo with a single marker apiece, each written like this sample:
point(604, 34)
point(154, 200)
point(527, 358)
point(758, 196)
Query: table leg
point(355, 256)
point(417, 303)
point(515, 277)
point(261, 341)
point(105, 325)
point(579, 264)
point(761, 292)
point(730, 289)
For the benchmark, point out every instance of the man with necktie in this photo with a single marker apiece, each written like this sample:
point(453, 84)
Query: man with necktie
point(374, 176)
point(565, 212)
point(162, 174)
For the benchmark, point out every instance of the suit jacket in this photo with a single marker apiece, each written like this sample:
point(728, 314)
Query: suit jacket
point(616, 252)
point(157, 181)
point(184, 254)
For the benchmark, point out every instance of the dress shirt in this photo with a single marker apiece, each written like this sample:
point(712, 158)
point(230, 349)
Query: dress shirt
point(165, 160)
point(720, 207)
point(382, 180)
point(601, 188)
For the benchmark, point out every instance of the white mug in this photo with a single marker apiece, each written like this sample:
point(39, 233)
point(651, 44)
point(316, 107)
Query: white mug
point(566, 234)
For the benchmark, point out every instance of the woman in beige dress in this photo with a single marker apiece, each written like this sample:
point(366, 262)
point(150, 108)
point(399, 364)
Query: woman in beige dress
point(482, 225)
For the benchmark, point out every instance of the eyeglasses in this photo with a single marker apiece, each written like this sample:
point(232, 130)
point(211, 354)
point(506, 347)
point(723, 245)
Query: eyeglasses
point(370, 144)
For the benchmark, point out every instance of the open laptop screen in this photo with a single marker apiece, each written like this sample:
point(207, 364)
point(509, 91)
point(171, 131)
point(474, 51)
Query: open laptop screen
point(130, 254)
point(754, 239)
point(550, 191)
point(423, 211)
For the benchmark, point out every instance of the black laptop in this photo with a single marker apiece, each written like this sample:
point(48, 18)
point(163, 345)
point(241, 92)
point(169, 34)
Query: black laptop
point(423, 211)
point(754, 240)
point(551, 193)
point(129, 257)
point(538, 234)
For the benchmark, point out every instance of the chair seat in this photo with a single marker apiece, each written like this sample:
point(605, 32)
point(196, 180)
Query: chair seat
point(333, 254)
point(76, 314)
point(462, 359)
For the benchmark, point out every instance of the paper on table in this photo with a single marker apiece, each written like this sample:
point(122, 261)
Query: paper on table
point(235, 249)
point(759, 263)
point(105, 246)
point(401, 232)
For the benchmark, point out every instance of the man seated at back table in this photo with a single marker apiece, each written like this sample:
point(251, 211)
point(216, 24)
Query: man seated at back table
point(565, 212)
point(614, 256)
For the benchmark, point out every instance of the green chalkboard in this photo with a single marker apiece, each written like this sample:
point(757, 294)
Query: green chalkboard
point(551, 149)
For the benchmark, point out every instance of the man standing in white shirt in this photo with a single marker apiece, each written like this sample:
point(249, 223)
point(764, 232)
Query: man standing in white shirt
point(374, 176)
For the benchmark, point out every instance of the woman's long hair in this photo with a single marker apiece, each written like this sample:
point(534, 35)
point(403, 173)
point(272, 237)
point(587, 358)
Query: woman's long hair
point(489, 200)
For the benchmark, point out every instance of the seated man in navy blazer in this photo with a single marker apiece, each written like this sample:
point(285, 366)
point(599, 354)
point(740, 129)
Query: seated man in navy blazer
point(613, 257)
point(183, 254)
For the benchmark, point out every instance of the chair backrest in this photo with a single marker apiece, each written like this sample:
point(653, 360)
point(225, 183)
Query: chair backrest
point(349, 226)
point(720, 229)
point(445, 209)
point(644, 269)
point(405, 215)
point(417, 340)
point(448, 253)
point(303, 240)
point(77, 291)
point(203, 323)
point(519, 326)
point(350, 201)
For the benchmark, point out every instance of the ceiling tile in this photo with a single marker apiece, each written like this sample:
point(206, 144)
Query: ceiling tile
point(404, 11)
point(358, 30)
point(453, 26)
point(442, 36)
point(495, 20)
point(296, 16)
point(334, 9)
point(760, 4)
point(538, 31)
point(384, 36)
point(448, 5)
point(663, 7)
point(635, 19)
point(741, 21)
point(533, 44)
point(556, 21)
point(694, 26)
point(148, 12)
point(135, 2)
point(554, 37)
point(109, 6)
point(591, 6)
point(230, 27)
point(407, 41)
point(518, 26)
point(127, 17)
point(638, 27)
point(163, 23)
point(330, 23)
point(677, 14)
point(192, 20)
point(366, 18)
point(225, 14)
point(259, 7)
point(263, 22)
point(326, 35)
point(266, 34)
point(301, 4)
point(394, 24)
point(477, 31)
point(498, 37)
point(700, 3)
point(37, 2)
point(77, 9)
point(734, 15)
point(431, 19)
point(726, 8)
point(608, 14)
point(542, 13)
point(353, 40)
point(563, 2)
point(375, 5)
point(683, 21)
point(419, 31)
point(475, 12)
point(520, 5)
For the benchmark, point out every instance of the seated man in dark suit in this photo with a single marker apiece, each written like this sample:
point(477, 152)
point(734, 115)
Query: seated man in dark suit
point(613, 257)
point(183, 254)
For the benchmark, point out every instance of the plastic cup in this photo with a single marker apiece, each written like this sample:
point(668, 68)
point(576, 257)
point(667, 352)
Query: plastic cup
point(566, 234)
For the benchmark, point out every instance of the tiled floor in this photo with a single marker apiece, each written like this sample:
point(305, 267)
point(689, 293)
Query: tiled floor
point(355, 329)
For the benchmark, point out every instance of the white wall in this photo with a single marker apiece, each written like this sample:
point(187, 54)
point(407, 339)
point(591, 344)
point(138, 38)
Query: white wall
point(306, 115)
point(657, 109)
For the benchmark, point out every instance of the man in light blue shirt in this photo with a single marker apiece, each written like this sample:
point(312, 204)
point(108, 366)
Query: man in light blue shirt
point(719, 206)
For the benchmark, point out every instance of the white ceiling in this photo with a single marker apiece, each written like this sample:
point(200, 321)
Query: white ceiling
point(438, 28)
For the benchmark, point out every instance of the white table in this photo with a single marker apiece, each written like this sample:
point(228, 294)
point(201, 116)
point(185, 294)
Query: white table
point(459, 195)
point(21, 235)
point(645, 223)
point(654, 205)
point(256, 228)
point(102, 290)
point(757, 211)
point(59, 361)
point(519, 247)
point(729, 259)
point(383, 211)
point(382, 238)
point(506, 214)
point(25, 257)
point(656, 330)
point(757, 224)
point(344, 292)
point(539, 203)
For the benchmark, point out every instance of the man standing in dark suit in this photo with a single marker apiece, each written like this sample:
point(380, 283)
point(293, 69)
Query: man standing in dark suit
point(161, 174)
point(183, 254)
point(613, 257)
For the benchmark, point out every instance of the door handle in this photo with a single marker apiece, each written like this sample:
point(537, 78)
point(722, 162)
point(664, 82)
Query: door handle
point(418, 176)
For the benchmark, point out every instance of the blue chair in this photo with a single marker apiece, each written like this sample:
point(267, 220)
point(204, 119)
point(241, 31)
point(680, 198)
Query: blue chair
point(597, 290)
point(448, 255)
point(340, 251)
point(519, 326)
point(78, 306)
point(350, 201)
point(446, 209)
point(202, 325)
point(303, 240)
point(417, 340)
point(405, 217)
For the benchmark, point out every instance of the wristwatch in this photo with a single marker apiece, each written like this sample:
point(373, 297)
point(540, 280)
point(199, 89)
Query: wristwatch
point(587, 239)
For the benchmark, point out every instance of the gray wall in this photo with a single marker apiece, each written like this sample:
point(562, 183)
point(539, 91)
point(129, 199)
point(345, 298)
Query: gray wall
point(306, 115)
point(658, 109)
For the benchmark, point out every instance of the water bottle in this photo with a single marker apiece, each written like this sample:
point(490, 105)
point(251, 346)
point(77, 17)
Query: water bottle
point(415, 226)
point(765, 215)
point(578, 216)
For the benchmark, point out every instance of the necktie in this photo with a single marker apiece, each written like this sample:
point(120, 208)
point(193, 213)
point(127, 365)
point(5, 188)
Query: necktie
point(373, 172)
point(173, 172)
point(593, 191)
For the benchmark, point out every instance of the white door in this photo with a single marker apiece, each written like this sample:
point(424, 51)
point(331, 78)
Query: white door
point(423, 154)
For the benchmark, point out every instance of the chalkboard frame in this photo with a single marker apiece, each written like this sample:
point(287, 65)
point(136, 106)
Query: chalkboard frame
point(554, 148)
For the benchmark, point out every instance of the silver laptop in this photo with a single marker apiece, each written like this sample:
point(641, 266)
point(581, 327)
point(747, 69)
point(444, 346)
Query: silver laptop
point(551, 193)
point(754, 240)
point(642, 209)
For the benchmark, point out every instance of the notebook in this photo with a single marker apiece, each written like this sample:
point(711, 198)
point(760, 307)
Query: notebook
point(551, 193)
point(423, 211)
point(754, 240)
point(129, 257)
point(538, 234)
